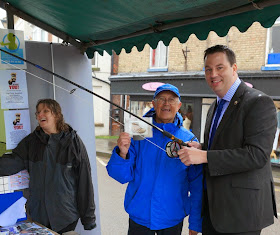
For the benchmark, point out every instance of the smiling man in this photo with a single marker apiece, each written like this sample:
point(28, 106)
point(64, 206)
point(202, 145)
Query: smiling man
point(239, 132)
point(162, 191)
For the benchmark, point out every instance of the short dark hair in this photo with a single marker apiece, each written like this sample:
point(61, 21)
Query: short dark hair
point(56, 110)
point(221, 48)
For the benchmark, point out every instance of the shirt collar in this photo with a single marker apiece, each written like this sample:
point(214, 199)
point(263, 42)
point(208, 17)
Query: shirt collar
point(228, 96)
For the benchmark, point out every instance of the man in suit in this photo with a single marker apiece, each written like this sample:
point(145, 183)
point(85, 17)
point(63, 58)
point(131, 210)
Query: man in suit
point(239, 193)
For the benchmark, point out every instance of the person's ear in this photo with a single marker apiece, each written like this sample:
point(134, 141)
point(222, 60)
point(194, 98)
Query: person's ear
point(179, 106)
point(154, 103)
point(234, 67)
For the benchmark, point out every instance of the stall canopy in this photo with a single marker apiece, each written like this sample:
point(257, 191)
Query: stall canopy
point(97, 25)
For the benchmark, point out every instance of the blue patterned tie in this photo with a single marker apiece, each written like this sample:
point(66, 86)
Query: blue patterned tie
point(214, 127)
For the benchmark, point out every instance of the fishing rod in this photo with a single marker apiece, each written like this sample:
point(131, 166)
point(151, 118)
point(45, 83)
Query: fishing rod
point(165, 133)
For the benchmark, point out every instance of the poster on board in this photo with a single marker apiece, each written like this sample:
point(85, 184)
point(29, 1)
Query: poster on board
point(13, 89)
point(17, 124)
point(12, 41)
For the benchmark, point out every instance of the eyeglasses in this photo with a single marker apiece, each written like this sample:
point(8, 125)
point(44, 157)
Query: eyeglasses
point(162, 100)
point(45, 111)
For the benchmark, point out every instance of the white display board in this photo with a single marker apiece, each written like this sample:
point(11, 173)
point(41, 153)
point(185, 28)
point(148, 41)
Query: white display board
point(77, 111)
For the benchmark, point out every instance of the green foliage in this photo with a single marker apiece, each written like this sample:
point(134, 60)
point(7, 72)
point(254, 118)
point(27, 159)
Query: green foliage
point(106, 137)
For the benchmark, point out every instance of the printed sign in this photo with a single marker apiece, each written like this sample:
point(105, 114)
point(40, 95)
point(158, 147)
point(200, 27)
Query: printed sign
point(13, 89)
point(12, 41)
point(17, 124)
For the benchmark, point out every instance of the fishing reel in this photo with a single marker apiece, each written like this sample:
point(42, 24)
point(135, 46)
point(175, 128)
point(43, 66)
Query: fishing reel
point(172, 148)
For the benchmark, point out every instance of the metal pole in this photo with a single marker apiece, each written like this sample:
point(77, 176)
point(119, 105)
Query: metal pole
point(53, 77)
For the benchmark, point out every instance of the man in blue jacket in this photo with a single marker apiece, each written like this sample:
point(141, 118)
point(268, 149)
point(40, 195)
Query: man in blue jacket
point(162, 191)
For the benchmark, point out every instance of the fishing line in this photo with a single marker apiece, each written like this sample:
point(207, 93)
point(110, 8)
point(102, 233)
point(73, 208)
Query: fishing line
point(167, 134)
point(72, 93)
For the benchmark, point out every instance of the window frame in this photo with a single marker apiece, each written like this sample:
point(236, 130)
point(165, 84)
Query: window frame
point(37, 34)
point(268, 42)
point(95, 60)
point(158, 68)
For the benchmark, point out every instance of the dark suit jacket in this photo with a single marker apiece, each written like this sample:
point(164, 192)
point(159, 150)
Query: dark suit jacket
point(238, 174)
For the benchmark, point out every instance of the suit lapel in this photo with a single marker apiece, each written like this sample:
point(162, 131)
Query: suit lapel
point(233, 105)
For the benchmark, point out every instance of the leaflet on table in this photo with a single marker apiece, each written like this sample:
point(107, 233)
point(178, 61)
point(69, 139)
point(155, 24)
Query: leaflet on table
point(17, 181)
point(27, 228)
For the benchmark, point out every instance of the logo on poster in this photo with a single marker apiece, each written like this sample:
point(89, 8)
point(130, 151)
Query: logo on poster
point(16, 122)
point(11, 82)
point(10, 42)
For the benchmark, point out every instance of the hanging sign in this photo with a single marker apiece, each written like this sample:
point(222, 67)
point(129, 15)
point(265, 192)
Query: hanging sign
point(13, 89)
point(17, 124)
point(151, 86)
point(13, 42)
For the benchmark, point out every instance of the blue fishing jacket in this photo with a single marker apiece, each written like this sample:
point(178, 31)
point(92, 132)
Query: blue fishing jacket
point(162, 191)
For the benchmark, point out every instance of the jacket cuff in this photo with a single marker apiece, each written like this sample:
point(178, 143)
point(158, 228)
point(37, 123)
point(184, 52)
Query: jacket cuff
point(89, 226)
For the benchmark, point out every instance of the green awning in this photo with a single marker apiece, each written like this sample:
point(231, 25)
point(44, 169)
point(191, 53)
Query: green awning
point(97, 25)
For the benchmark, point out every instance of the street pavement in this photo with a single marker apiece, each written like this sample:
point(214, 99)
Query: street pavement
point(114, 219)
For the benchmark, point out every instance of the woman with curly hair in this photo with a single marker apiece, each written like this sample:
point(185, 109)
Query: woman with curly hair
point(60, 186)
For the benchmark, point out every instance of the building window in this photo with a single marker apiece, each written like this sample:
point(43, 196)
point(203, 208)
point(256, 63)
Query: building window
point(275, 154)
point(273, 47)
point(206, 103)
point(44, 36)
point(140, 108)
point(39, 35)
point(159, 58)
point(94, 62)
point(186, 111)
point(35, 34)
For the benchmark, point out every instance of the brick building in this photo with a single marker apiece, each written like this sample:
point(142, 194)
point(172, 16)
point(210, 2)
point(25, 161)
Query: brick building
point(181, 64)
point(249, 47)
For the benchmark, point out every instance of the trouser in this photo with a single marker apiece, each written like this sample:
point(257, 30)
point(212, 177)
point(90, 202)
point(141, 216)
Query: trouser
point(70, 227)
point(137, 229)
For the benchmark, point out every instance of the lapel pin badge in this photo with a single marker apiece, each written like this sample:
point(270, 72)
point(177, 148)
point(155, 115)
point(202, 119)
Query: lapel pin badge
point(235, 102)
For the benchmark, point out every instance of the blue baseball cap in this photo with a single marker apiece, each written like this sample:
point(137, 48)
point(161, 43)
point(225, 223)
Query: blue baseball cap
point(167, 87)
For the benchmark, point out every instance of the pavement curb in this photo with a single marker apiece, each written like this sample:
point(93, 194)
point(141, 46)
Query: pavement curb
point(276, 181)
point(103, 154)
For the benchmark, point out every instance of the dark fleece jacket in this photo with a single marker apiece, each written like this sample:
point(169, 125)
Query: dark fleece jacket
point(61, 189)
